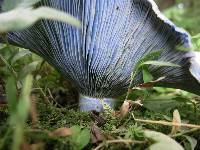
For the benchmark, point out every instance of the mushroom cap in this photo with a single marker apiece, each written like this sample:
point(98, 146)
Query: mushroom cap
point(100, 56)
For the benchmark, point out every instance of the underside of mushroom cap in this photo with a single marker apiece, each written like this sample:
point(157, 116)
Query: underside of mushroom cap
point(115, 34)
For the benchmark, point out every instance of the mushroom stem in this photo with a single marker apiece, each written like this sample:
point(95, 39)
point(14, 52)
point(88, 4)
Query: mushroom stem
point(91, 103)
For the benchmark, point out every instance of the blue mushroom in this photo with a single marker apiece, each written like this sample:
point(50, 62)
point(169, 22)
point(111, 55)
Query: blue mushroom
point(100, 56)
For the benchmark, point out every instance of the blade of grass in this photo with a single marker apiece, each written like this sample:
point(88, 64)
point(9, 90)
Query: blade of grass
point(22, 113)
point(11, 94)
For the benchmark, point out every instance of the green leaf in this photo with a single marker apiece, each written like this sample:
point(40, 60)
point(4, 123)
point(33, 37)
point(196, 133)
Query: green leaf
point(24, 99)
point(182, 48)
point(11, 4)
point(196, 36)
point(161, 141)
point(150, 56)
point(161, 103)
point(149, 60)
point(192, 142)
point(19, 55)
point(28, 69)
point(83, 138)
point(53, 14)
point(11, 94)
point(160, 63)
point(19, 19)
point(10, 68)
point(80, 137)
point(146, 75)
point(22, 112)
point(27, 3)
point(76, 130)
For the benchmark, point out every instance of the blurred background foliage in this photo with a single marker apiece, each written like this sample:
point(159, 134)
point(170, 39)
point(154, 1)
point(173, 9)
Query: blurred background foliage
point(184, 13)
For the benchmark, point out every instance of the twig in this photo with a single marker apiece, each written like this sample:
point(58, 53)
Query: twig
point(125, 141)
point(51, 96)
point(33, 110)
point(167, 123)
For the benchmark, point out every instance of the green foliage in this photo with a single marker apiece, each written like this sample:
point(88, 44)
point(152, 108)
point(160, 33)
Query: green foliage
point(159, 63)
point(21, 15)
point(13, 65)
point(190, 142)
point(80, 138)
point(161, 103)
point(18, 108)
point(134, 132)
point(12, 4)
point(149, 59)
point(161, 141)
point(146, 75)
point(29, 68)
point(18, 119)
point(20, 55)
point(150, 56)
point(11, 92)
point(186, 15)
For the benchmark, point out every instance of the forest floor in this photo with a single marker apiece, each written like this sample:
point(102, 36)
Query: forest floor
point(148, 120)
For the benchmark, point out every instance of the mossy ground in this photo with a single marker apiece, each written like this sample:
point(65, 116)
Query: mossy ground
point(51, 117)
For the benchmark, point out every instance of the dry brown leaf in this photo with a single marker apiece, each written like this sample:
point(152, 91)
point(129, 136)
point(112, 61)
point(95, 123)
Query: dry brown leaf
point(126, 108)
point(99, 120)
point(37, 146)
point(136, 103)
point(33, 110)
point(61, 132)
point(151, 83)
point(96, 134)
point(25, 146)
point(176, 120)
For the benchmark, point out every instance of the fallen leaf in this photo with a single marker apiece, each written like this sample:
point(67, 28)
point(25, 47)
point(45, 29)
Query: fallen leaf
point(25, 146)
point(136, 103)
point(37, 146)
point(61, 132)
point(125, 108)
point(97, 118)
point(96, 134)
